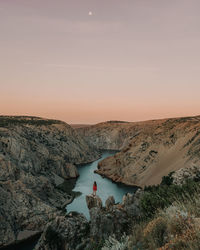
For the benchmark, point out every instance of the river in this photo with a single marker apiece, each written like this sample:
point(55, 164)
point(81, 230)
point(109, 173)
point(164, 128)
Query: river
point(105, 187)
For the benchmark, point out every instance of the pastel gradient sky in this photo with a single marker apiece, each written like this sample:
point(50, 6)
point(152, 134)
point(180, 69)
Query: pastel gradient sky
point(87, 61)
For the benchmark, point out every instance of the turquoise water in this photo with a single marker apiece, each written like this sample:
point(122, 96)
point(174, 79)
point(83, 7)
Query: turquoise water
point(105, 187)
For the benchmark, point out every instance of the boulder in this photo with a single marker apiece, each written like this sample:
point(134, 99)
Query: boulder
point(108, 222)
point(131, 203)
point(65, 233)
point(113, 218)
point(190, 173)
point(69, 171)
point(110, 202)
point(93, 201)
point(127, 199)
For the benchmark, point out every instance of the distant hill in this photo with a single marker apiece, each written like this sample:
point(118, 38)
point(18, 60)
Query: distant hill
point(79, 125)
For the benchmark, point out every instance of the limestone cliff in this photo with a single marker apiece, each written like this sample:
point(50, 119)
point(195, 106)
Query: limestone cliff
point(149, 150)
point(34, 154)
point(112, 135)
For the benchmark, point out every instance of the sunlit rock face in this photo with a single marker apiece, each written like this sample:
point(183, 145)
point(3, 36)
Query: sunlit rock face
point(34, 154)
point(148, 150)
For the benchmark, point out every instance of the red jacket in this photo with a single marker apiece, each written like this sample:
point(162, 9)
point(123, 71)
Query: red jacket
point(94, 188)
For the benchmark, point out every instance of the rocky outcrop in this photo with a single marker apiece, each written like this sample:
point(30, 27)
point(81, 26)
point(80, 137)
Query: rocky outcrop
point(113, 218)
point(65, 233)
point(35, 156)
point(68, 171)
point(21, 209)
point(93, 201)
point(109, 202)
point(182, 175)
point(74, 232)
point(148, 150)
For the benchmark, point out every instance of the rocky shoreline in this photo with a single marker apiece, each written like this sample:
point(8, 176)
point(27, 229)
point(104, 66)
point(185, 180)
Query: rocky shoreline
point(115, 178)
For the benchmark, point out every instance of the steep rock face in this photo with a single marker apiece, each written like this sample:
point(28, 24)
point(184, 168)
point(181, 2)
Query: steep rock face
point(65, 233)
point(114, 218)
point(149, 150)
point(33, 152)
point(21, 209)
point(107, 135)
point(93, 201)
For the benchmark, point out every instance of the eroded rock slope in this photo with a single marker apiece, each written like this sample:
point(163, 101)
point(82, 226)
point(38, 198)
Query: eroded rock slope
point(149, 150)
point(35, 155)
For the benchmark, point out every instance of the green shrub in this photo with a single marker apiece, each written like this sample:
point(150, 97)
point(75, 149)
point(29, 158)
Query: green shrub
point(167, 180)
point(161, 196)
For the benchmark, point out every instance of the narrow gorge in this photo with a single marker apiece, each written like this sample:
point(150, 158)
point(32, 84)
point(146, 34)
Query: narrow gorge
point(37, 155)
point(149, 150)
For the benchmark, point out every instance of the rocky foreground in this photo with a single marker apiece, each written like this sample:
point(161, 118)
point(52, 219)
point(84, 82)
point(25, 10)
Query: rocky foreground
point(148, 150)
point(73, 231)
point(135, 218)
point(36, 155)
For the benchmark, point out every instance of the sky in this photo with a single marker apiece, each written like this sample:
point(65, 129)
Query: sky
point(88, 61)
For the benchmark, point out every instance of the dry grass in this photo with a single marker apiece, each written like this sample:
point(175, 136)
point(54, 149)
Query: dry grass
point(176, 227)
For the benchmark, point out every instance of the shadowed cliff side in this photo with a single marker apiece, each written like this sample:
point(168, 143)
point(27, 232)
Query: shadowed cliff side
point(35, 156)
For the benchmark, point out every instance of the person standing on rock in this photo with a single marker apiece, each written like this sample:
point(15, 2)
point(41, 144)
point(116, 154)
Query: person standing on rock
point(94, 188)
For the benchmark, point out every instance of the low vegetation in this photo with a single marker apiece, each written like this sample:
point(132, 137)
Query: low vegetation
point(161, 196)
point(8, 121)
point(171, 218)
point(174, 227)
